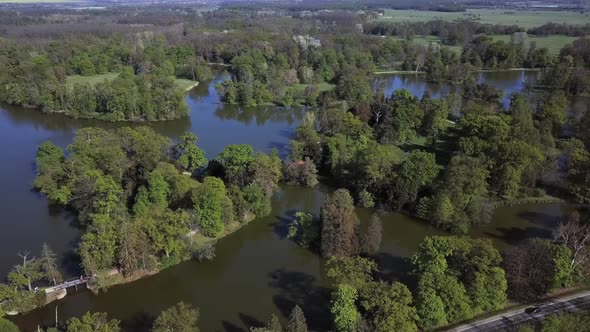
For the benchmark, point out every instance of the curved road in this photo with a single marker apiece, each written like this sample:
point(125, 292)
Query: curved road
point(513, 318)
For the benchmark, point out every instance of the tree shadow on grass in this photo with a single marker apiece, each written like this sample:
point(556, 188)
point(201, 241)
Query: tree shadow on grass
point(298, 288)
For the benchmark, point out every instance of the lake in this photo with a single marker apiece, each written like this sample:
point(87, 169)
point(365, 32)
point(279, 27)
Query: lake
point(256, 271)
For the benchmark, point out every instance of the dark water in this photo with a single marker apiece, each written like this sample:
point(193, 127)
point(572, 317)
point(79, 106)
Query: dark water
point(256, 271)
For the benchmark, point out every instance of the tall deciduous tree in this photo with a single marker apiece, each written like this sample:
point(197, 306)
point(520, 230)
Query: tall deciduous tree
point(339, 233)
point(48, 263)
point(344, 311)
point(208, 202)
point(190, 157)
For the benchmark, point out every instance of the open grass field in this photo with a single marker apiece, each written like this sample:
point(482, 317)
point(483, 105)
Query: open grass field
point(322, 87)
point(524, 18)
point(553, 43)
point(426, 40)
point(92, 80)
point(182, 83)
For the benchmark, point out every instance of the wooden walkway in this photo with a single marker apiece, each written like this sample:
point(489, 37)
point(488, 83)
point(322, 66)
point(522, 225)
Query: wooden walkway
point(67, 284)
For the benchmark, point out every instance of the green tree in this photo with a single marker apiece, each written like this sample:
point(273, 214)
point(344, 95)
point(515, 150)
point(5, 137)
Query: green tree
point(305, 229)
point(389, 307)
point(344, 311)
point(190, 157)
point(181, 317)
point(297, 322)
point(552, 109)
point(167, 230)
point(234, 161)
point(8, 326)
point(49, 266)
point(416, 172)
point(354, 271)
point(208, 203)
point(93, 322)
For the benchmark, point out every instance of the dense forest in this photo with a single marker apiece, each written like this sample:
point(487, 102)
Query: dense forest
point(145, 203)
point(273, 59)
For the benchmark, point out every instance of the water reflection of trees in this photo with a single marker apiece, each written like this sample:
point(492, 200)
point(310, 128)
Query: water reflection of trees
point(260, 114)
point(298, 288)
point(19, 116)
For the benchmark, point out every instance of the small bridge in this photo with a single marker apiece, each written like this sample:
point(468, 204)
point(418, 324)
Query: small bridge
point(67, 284)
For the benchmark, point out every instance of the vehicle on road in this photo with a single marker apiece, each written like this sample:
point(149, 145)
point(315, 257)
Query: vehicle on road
point(532, 310)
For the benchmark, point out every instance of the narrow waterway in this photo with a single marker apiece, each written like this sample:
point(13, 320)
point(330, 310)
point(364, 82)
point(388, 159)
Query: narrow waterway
point(256, 271)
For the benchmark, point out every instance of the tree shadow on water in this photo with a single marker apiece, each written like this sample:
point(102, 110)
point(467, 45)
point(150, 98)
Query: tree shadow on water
point(281, 227)
point(231, 327)
point(298, 288)
point(514, 235)
point(541, 219)
point(393, 268)
point(250, 321)
point(142, 321)
point(282, 148)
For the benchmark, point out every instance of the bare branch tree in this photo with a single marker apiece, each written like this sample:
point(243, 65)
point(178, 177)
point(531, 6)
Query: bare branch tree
point(575, 235)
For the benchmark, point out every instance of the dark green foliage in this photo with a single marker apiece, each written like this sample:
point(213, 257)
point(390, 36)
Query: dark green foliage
point(7, 326)
point(190, 157)
point(457, 279)
point(208, 199)
point(134, 203)
point(567, 322)
point(97, 322)
point(305, 230)
point(181, 317)
point(458, 202)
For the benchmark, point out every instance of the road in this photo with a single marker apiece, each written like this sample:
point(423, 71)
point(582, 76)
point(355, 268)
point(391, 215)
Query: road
point(513, 318)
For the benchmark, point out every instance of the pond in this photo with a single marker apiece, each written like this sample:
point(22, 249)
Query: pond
point(256, 271)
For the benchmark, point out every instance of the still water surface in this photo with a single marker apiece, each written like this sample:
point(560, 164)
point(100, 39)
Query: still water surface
point(256, 272)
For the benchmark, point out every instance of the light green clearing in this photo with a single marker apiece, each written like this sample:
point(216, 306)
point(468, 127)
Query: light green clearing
point(182, 83)
point(524, 18)
point(92, 80)
point(426, 40)
point(322, 87)
point(553, 43)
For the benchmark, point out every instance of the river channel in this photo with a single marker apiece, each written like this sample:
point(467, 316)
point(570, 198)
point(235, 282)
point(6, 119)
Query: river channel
point(256, 271)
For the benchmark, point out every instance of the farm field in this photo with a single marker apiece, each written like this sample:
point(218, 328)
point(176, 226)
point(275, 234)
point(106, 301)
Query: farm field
point(524, 18)
point(553, 43)
point(182, 83)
